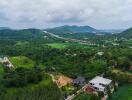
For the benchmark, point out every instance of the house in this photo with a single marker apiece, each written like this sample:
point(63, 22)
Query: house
point(100, 83)
point(3, 59)
point(100, 53)
point(79, 81)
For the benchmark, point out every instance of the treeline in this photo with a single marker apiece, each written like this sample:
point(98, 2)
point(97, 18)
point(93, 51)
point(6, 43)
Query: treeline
point(22, 76)
point(44, 90)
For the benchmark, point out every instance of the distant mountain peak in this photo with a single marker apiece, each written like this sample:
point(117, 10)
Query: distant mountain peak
point(72, 29)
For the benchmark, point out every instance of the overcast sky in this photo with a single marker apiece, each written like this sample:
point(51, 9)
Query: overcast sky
point(101, 14)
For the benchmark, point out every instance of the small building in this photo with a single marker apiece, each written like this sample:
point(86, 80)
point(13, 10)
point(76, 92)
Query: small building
point(100, 83)
point(100, 53)
point(3, 59)
point(79, 81)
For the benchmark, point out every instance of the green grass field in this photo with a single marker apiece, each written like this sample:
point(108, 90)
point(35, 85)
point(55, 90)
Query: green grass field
point(83, 96)
point(65, 45)
point(22, 61)
point(1, 69)
point(123, 93)
point(58, 45)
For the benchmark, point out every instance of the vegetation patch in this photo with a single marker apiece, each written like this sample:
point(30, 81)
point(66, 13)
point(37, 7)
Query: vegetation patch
point(44, 90)
point(123, 93)
point(70, 45)
point(22, 61)
point(58, 45)
point(85, 96)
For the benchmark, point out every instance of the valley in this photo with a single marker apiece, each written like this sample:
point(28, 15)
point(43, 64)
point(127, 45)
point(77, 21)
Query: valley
point(49, 64)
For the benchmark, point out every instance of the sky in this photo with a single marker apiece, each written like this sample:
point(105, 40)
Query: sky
point(100, 14)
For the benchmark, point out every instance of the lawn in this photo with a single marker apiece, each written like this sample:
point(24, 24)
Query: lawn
point(65, 45)
point(83, 96)
point(58, 45)
point(22, 61)
point(69, 89)
point(123, 93)
point(1, 69)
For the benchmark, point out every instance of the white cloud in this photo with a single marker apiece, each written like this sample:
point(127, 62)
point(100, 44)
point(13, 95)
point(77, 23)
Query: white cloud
point(46, 13)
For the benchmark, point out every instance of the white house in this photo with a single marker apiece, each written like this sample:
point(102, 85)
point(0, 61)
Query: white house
point(100, 83)
point(3, 59)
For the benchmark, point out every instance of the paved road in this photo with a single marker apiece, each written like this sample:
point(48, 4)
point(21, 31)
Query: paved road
point(71, 97)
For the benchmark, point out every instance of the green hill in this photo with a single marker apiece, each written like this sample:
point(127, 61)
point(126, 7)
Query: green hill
point(25, 34)
point(127, 33)
point(72, 29)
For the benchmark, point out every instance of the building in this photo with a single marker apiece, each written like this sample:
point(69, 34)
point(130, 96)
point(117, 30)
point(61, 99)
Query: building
point(79, 81)
point(100, 53)
point(100, 83)
point(3, 59)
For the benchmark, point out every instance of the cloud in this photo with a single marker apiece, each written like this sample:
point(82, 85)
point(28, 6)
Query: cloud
point(47, 13)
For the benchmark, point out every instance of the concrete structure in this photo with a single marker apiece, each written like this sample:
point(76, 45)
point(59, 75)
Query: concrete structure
point(3, 59)
point(100, 83)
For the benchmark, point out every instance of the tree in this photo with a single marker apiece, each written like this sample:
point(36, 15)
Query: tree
point(109, 92)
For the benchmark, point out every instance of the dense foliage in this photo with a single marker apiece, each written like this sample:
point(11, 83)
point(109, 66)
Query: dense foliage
point(44, 90)
point(28, 49)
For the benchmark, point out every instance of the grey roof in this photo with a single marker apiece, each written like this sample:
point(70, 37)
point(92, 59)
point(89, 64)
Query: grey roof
point(79, 79)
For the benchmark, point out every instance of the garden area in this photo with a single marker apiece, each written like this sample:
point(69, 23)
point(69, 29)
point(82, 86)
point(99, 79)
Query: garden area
point(123, 93)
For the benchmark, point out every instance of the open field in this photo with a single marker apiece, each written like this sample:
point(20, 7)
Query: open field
point(83, 96)
point(123, 93)
point(118, 71)
point(1, 71)
point(22, 61)
point(58, 45)
point(65, 45)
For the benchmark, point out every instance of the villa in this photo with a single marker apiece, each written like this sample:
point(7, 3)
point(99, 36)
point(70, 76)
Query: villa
point(100, 84)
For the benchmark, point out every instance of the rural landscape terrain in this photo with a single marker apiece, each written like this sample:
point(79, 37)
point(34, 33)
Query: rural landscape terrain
point(65, 49)
point(58, 63)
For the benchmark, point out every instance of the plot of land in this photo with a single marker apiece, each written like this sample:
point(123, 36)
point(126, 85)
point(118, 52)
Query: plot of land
point(83, 96)
point(22, 61)
point(58, 45)
point(1, 71)
point(123, 93)
point(65, 45)
point(62, 80)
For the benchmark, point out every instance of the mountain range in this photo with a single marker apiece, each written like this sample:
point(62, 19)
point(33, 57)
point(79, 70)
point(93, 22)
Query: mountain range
point(72, 29)
point(82, 29)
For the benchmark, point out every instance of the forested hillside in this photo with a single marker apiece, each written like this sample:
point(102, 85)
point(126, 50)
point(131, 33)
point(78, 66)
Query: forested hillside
point(72, 29)
point(36, 55)
point(127, 33)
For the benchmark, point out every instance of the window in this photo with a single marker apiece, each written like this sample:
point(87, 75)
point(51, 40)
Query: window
point(96, 88)
point(91, 83)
